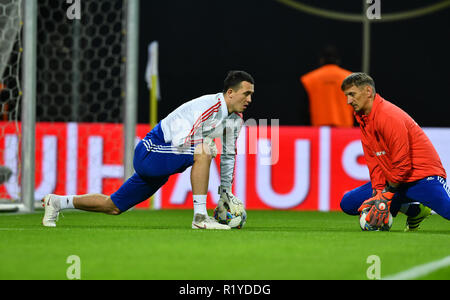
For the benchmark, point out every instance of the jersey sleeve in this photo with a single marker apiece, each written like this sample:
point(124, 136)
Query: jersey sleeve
point(184, 125)
point(229, 150)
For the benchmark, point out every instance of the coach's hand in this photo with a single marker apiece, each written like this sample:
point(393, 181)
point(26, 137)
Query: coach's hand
point(234, 203)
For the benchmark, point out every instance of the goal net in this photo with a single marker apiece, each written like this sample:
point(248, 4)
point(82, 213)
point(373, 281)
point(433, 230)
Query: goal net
point(79, 97)
point(10, 96)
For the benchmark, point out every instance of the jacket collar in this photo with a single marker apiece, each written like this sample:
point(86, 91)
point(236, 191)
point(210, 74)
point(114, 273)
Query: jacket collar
point(363, 119)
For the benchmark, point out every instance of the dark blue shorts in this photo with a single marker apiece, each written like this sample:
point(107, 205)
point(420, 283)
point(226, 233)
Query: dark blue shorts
point(154, 162)
point(431, 191)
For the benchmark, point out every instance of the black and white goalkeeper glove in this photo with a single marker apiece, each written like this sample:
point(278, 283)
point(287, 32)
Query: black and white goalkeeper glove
point(234, 203)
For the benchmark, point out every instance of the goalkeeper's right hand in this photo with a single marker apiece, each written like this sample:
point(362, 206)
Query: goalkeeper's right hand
point(234, 203)
point(380, 205)
point(369, 202)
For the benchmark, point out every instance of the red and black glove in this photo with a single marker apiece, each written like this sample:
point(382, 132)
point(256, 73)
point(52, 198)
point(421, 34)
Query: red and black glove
point(379, 205)
point(369, 202)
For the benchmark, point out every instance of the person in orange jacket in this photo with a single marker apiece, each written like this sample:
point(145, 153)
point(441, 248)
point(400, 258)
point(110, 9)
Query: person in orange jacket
point(406, 172)
point(326, 102)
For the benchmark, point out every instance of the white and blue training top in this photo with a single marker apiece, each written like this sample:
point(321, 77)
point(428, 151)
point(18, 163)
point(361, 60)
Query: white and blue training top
point(205, 116)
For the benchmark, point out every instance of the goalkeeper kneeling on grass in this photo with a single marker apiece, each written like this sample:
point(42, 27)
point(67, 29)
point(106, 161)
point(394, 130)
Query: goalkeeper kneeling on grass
point(184, 138)
point(406, 173)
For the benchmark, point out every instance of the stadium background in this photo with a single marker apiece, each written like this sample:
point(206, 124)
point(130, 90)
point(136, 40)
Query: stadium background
point(201, 40)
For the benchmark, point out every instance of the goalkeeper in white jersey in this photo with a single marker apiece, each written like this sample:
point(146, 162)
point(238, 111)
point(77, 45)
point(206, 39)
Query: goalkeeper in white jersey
point(184, 138)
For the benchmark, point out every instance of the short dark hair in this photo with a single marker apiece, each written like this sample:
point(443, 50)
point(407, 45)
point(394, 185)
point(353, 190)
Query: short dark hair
point(234, 79)
point(359, 80)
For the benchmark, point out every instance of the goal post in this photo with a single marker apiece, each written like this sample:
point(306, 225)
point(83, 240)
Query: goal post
point(131, 84)
point(72, 105)
point(28, 119)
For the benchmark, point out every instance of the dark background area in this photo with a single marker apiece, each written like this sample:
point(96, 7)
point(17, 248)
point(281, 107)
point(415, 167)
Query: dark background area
point(199, 41)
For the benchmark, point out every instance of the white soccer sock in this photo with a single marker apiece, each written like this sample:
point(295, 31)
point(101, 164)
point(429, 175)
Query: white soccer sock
point(200, 204)
point(66, 201)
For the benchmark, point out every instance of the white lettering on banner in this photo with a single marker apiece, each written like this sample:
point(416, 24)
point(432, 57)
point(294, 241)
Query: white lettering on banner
point(301, 176)
point(71, 158)
point(10, 159)
point(48, 169)
point(48, 173)
point(324, 168)
point(53, 161)
point(240, 171)
point(259, 131)
point(350, 161)
point(183, 185)
point(96, 169)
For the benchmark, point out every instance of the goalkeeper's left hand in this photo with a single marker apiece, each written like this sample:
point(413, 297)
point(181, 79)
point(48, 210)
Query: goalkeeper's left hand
point(380, 205)
point(234, 203)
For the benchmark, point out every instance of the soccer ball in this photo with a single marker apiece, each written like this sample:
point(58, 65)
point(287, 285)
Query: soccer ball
point(223, 215)
point(365, 226)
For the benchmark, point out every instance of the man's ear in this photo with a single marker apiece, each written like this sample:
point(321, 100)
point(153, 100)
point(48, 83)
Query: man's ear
point(369, 90)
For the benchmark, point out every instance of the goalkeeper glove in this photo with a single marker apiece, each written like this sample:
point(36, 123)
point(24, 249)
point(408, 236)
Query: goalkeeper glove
point(369, 202)
point(234, 203)
point(379, 205)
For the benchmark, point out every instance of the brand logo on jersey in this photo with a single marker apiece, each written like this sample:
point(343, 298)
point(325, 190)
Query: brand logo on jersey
point(379, 153)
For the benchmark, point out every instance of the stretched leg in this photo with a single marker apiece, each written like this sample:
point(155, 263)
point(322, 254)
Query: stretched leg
point(96, 203)
point(135, 190)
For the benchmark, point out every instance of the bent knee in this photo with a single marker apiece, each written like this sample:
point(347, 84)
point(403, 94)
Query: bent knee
point(348, 206)
point(201, 152)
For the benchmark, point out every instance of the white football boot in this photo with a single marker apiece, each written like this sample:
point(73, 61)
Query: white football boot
point(206, 222)
point(52, 207)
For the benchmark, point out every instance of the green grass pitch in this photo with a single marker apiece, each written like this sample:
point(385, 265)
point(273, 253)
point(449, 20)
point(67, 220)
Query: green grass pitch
point(142, 244)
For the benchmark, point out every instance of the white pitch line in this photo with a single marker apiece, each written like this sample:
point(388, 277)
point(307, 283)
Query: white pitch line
point(420, 270)
point(17, 229)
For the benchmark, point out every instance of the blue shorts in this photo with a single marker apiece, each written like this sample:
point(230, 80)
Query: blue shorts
point(431, 191)
point(154, 162)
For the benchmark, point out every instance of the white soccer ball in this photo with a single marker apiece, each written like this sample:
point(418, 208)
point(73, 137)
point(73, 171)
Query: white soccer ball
point(365, 226)
point(223, 215)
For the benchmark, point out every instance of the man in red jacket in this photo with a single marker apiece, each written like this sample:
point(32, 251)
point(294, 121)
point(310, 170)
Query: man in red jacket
point(405, 170)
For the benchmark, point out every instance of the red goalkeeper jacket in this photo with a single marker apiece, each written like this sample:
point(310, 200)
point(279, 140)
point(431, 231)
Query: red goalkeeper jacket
point(395, 148)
